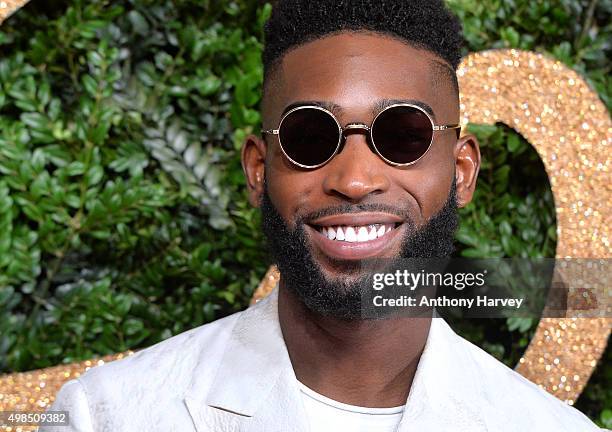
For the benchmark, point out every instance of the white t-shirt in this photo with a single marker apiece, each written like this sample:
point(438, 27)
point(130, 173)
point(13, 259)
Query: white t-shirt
point(328, 415)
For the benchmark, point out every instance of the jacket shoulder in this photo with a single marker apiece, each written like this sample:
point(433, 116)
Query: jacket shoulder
point(175, 356)
point(112, 396)
point(72, 399)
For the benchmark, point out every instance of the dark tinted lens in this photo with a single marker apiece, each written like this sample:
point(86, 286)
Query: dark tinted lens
point(402, 134)
point(309, 136)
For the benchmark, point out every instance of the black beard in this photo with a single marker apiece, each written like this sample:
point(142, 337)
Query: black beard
point(340, 298)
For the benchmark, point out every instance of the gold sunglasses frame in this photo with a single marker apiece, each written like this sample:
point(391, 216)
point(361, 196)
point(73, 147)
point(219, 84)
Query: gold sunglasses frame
point(358, 126)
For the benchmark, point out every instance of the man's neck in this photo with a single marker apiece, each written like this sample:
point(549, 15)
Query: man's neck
point(368, 363)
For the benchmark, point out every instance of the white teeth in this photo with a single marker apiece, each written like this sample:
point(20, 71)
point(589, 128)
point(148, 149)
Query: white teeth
point(350, 235)
point(356, 233)
point(362, 235)
point(372, 234)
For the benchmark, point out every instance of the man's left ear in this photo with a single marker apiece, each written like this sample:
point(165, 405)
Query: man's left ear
point(467, 165)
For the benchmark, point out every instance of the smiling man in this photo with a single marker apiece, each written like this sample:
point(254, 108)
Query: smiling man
point(360, 157)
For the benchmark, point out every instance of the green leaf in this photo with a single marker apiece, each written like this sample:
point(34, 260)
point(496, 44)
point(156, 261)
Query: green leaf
point(90, 85)
point(132, 326)
point(75, 168)
point(514, 143)
point(510, 35)
point(35, 120)
point(520, 324)
point(208, 85)
point(139, 23)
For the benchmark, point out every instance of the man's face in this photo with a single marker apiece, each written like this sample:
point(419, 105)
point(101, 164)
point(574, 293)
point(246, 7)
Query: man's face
point(357, 188)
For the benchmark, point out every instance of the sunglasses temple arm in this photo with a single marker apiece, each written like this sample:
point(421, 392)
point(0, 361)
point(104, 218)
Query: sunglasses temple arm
point(457, 128)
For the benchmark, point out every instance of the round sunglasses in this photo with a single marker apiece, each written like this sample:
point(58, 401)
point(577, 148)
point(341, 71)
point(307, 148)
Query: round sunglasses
point(401, 134)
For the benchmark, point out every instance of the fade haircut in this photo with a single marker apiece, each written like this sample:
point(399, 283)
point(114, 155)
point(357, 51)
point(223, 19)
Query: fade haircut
point(422, 24)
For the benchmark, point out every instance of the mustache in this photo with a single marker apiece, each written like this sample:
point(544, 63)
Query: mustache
point(348, 208)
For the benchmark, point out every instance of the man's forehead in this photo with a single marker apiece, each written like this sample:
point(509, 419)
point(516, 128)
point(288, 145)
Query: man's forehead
point(360, 69)
point(355, 53)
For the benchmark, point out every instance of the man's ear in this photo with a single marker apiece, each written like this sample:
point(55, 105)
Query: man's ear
point(467, 165)
point(253, 157)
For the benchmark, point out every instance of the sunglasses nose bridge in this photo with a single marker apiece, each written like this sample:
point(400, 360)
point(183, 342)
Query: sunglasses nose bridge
point(355, 128)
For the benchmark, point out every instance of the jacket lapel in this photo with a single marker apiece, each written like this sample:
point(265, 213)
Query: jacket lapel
point(444, 393)
point(254, 388)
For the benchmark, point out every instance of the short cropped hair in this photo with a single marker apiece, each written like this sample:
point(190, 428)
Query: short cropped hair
point(422, 24)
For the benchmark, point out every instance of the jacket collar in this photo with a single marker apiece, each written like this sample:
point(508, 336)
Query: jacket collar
point(445, 392)
point(255, 387)
point(254, 360)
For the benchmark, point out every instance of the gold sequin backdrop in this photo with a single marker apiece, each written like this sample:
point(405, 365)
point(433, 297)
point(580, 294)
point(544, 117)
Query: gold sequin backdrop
point(555, 110)
point(7, 7)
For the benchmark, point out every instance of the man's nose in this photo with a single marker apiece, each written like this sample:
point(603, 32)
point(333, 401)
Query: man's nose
point(356, 171)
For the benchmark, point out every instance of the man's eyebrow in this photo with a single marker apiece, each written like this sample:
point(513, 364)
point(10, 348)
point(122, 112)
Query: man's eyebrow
point(384, 103)
point(329, 106)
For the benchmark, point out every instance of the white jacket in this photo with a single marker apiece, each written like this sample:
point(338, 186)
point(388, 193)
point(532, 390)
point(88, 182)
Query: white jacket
point(235, 375)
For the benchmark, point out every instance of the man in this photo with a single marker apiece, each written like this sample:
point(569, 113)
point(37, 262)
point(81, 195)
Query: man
point(359, 158)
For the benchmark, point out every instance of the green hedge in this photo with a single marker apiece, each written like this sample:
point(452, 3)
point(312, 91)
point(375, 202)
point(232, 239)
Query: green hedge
point(123, 216)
